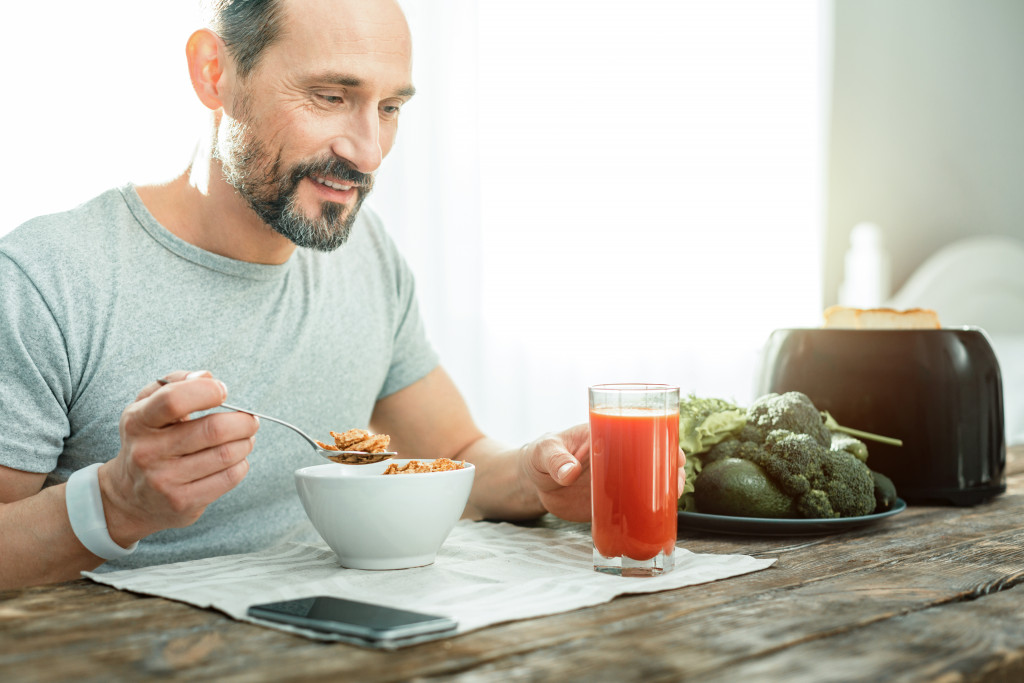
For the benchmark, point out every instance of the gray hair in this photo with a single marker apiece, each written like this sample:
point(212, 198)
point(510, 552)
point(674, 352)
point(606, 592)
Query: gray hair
point(247, 28)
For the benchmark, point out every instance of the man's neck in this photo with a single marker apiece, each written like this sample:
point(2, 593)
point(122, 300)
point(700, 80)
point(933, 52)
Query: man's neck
point(201, 208)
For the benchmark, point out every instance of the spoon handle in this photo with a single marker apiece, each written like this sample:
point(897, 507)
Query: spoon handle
point(295, 429)
point(292, 427)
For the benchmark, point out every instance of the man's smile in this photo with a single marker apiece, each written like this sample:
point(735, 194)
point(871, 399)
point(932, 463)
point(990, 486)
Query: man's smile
point(333, 183)
point(334, 190)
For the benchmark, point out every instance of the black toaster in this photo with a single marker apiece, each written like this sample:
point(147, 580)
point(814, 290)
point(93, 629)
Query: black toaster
point(938, 390)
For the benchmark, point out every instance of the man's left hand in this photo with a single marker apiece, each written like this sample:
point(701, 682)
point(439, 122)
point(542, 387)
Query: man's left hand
point(558, 467)
point(555, 465)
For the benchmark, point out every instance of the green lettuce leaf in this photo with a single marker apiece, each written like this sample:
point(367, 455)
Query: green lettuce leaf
point(703, 422)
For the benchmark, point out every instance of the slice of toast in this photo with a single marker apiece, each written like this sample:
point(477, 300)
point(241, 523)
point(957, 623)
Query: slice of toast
point(843, 317)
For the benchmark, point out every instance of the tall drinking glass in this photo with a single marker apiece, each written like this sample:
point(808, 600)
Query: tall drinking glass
point(634, 442)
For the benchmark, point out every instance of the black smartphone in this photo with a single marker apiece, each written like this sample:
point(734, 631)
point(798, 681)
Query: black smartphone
point(352, 618)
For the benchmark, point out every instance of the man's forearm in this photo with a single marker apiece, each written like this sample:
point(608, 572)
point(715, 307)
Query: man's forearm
point(498, 486)
point(38, 545)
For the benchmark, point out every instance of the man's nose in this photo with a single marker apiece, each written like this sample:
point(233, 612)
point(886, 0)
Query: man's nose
point(359, 141)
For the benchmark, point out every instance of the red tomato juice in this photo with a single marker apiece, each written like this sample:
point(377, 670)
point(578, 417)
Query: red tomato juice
point(633, 470)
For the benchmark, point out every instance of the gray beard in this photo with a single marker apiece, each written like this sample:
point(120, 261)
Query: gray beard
point(325, 233)
point(272, 195)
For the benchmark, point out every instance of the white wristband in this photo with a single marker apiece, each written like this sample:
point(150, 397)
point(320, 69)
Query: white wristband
point(85, 510)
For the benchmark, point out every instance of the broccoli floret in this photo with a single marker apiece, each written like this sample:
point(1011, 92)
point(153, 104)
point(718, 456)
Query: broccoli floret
point(751, 433)
point(733, 448)
point(791, 411)
point(815, 505)
point(848, 484)
point(793, 460)
point(823, 483)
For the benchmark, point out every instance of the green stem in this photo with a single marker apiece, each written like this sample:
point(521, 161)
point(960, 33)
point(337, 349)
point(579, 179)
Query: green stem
point(867, 435)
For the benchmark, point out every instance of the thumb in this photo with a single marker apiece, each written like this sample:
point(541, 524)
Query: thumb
point(573, 455)
point(567, 469)
point(550, 463)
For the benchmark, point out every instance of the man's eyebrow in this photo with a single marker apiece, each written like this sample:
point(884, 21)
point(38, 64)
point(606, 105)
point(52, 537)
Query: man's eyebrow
point(351, 81)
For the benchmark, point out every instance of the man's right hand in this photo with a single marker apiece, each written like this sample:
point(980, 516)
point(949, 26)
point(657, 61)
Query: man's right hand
point(170, 466)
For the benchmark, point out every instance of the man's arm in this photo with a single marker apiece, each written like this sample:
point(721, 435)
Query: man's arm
point(429, 419)
point(38, 545)
point(169, 468)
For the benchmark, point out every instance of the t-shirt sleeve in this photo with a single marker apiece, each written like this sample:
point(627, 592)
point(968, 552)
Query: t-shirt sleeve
point(413, 356)
point(34, 375)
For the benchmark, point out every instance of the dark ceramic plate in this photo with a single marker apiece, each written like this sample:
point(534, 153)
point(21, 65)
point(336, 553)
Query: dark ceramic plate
point(759, 526)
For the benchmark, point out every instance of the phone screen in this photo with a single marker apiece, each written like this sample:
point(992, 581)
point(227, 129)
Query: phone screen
point(350, 617)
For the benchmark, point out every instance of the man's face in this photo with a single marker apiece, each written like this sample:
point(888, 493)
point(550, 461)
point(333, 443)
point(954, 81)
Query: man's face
point(302, 135)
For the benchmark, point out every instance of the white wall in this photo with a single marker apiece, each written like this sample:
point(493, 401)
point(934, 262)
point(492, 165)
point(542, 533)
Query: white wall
point(926, 132)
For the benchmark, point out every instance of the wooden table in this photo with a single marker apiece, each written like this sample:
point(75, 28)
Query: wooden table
point(930, 594)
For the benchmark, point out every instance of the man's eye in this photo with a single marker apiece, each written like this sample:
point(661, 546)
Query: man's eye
point(390, 110)
point(331, 99)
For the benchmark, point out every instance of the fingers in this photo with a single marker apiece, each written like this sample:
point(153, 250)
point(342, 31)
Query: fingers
point(170, 467)
point(174, 402)
point(205, 432)
point(192, 471)
point(682, 473)
point(170, 497)
point(189, 450)
point(175, 376)
point(213, 486)
point(554, 470)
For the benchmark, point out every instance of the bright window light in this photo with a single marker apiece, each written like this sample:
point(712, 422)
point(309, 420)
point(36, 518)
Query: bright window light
point(96, 95)
point(650, 193)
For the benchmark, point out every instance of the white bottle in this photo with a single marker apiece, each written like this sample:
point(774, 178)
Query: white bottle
point(866, 272)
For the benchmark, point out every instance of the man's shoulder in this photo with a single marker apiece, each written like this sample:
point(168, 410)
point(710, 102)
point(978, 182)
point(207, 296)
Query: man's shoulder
point(71, 228)
point(84, 233)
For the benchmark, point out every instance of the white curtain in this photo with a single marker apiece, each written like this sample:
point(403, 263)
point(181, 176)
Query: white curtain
point(588, 190)
point(597, 191)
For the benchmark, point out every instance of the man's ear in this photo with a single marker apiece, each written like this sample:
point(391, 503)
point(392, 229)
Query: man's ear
point(207, 66)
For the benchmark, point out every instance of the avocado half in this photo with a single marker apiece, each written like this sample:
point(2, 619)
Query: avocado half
point(740, 488)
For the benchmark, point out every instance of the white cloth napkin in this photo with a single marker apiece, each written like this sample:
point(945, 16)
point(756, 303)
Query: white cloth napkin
point(485, 573)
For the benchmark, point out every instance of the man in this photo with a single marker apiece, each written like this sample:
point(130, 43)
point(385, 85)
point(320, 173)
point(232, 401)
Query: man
point(254, 270)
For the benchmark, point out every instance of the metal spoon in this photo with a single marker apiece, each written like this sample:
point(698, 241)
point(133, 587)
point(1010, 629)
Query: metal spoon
point(341, 457)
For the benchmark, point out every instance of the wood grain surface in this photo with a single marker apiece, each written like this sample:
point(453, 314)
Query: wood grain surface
point(930, 594)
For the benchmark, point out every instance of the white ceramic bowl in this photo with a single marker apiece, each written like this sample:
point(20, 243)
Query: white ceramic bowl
point(376, 521)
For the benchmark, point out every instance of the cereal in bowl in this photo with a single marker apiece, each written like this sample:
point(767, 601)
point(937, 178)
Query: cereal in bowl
point(417, 467)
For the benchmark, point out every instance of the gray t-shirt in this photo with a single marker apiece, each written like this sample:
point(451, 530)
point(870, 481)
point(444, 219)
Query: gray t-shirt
point(99, 301)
